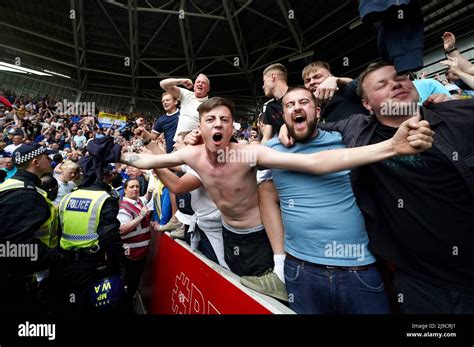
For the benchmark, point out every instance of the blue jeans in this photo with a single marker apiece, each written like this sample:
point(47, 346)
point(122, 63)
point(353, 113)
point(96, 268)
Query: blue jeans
point(315, 290)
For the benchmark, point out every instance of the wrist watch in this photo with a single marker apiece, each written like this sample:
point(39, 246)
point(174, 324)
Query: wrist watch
point(451, 50)
point(146, 142)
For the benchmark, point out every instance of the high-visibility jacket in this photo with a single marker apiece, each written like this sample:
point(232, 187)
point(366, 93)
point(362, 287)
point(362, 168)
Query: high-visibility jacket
point(79, 214)
point(48, 231)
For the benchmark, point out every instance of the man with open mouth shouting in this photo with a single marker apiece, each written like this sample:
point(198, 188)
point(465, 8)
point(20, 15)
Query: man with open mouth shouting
point(232, 183)
point(190, 101)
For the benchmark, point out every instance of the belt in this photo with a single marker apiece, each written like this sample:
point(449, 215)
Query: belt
point(82, 252)
point(332, 267)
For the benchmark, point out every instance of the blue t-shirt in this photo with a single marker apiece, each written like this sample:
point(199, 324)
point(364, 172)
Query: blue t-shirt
point(322, 221)
point(167, 124)
point(10, 173)
point(429, 86)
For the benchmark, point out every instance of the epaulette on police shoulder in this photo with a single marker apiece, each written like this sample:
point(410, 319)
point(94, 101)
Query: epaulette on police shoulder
point(30, 186)
point(115, 194)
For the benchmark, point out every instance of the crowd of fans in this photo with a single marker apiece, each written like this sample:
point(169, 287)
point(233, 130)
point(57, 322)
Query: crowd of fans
point(26, 120)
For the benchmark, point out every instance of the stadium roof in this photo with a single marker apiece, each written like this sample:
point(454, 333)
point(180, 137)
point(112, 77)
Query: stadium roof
point(125, 47)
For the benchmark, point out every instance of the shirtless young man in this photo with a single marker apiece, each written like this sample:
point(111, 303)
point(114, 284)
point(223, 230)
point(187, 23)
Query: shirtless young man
point(227, 171)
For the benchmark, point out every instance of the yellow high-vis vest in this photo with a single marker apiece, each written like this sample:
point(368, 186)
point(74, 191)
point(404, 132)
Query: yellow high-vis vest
point(79, 214)
point(48, 231)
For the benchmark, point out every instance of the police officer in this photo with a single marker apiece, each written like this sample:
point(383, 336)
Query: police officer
point(90, 238)
point(28, 232)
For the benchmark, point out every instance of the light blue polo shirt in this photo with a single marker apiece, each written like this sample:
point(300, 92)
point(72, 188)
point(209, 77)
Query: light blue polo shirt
point(429, 86)
point(322, 221)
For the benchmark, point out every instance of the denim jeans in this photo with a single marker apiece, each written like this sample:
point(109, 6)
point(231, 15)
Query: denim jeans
point(315, 290)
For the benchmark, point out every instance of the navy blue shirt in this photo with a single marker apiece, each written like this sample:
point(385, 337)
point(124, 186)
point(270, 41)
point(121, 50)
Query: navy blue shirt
point(167, 124)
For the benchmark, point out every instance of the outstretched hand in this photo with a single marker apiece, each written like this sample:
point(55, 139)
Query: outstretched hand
point(452, 63)
point(413, 136)
point(449, 41)
point(142, 132)
point(326, 90)
point(193, 137)
point(436, 98)
point(187, 83)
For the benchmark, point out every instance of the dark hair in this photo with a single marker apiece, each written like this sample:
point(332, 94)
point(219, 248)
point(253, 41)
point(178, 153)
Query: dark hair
point(125, 185)
point(3, 175)
point(293, 89)
point(214, 102)
point(371, 68)
point(50, 185)
point(58, 158)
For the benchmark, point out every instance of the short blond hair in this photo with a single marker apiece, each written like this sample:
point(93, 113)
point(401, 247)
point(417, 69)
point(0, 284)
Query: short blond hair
point(69, 164)
point(279, 68)
point(311, 67)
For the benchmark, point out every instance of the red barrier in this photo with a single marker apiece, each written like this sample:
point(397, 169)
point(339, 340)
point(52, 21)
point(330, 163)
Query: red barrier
point(182, 283)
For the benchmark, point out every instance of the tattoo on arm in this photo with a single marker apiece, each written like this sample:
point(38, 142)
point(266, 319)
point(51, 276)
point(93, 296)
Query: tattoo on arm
point(129, 158)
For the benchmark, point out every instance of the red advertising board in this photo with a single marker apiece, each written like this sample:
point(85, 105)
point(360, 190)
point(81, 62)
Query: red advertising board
point(179, 282)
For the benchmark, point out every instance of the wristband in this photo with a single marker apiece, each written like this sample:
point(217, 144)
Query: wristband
point(451, 50)
point(146, 142)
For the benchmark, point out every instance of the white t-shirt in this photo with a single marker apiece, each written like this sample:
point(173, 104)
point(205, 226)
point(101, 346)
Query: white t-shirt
point(189, 116)
point(123, 216)
point(63, 189)
point(208, 217)
point(80, 140)
point(11, 148)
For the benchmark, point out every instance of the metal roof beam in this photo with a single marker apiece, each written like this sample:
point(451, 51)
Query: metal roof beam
point(266, 17)
point(184, 40)
point(99, 2)
point(133, 35)
point(336, 10)
point(82, 32)
point(209, 33)
point(37, 55)
point(36, 34)
point(158, 74)
point(292, 25)
point(241, 8)
point(240, 45)
point(159, 10)
point(162, 25)
point(76, 42)
point(106, 72)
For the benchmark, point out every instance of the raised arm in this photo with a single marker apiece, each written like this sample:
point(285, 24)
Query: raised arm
point(151, 161)
point(449, 45)
point(454, 67)
point(267, 133)
point(326, 89)
point(171, 85)
point(178, 185)
point(412, 137)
